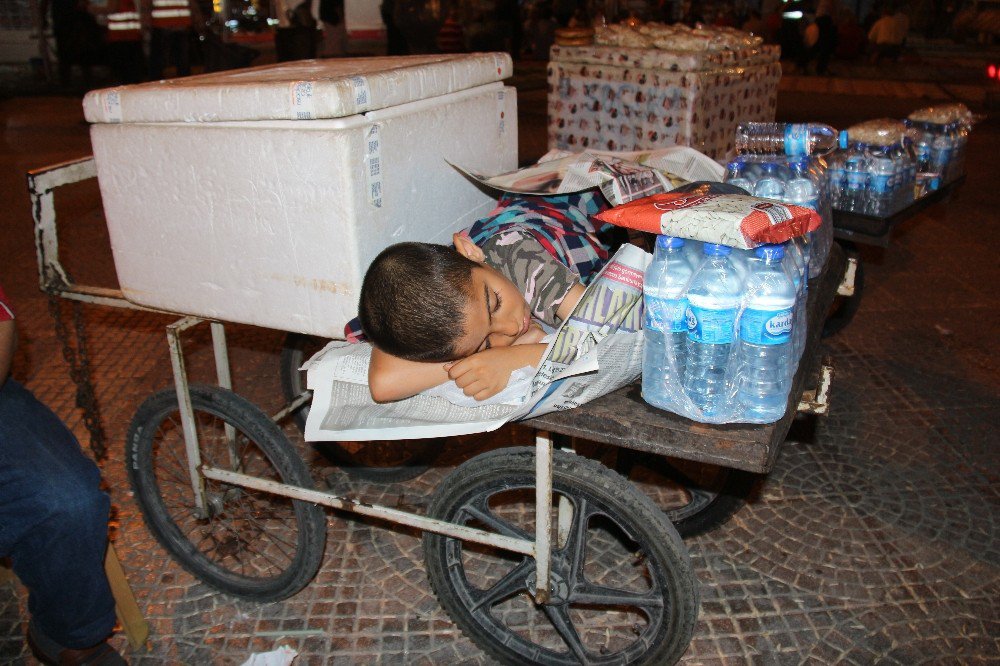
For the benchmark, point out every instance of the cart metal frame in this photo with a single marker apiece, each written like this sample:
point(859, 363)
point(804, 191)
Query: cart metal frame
point(741, 446)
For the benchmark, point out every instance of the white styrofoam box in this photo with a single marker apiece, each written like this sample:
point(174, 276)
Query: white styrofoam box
point(301, 90)
point(274, 222)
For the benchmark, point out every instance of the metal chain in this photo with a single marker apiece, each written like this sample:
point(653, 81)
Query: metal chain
point(79, 370)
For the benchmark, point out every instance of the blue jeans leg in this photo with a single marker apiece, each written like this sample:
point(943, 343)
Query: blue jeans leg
point(53, 521)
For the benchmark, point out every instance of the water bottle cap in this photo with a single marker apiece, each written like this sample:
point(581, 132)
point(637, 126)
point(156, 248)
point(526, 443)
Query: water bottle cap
point(716, 250)
point(669, 242)
point(735, 164)
point(769, 166)
point(770, 252)
point(842, 139)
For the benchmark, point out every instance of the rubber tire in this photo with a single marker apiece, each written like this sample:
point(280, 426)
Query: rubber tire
point(844, 308)
point(422, 453)
point(258, 427)
point(730, 492)
point(575, 477)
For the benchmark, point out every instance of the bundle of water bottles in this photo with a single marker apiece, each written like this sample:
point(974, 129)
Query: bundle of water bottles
point(784, 161)
point(883, 165)
point(724, 328)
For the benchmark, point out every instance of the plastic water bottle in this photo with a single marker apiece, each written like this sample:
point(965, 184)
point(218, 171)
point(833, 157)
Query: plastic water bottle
point(794, 139)
point(800, 188)
point(713, 301)
point(764, 372)
point(734, 176)
point(665, 319)
point(941, 149)
point(922, 146)
point(835, 177)
point(770, 185)
point(693, 253)
point(855, 178)
point(882, 180)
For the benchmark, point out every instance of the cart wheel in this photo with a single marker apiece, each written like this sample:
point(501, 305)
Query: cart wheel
point(379, 461)
point(845, 307)
point(696, 497)
point(251, 544)
point(622, 586)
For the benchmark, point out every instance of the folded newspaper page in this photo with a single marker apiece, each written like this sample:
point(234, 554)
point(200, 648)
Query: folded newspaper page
point(622, 177)
point(595, 351)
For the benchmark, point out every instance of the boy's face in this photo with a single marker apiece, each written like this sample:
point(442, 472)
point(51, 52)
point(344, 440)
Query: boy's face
point(496, 313)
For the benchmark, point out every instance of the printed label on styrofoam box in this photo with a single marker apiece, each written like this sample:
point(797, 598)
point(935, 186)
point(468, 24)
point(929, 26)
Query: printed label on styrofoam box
point(302, 100)
point(362, 93)
point(113, 106)
point(373, 166)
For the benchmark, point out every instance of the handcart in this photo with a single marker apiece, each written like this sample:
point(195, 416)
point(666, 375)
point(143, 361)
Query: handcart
point(600, 573)
point(852, 228)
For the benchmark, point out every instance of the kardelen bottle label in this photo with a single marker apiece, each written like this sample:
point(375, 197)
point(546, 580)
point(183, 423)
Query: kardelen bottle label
point(766, 327)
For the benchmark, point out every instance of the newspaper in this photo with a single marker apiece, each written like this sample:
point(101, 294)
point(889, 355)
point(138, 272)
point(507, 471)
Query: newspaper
point(622, 177)
point(595, 351)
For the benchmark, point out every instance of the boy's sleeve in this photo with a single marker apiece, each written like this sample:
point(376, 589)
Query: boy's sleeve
point(542, 279)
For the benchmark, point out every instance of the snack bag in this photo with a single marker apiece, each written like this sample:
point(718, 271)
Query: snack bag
point(735, 220)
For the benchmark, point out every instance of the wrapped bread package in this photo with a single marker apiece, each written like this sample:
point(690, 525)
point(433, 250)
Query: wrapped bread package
point(735, 220)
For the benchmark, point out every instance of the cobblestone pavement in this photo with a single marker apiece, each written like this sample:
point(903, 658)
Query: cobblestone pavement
point(874, 540)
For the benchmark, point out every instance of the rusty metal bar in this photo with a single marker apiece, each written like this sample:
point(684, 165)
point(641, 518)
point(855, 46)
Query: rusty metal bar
point(187, 411)
point(372, 510)
point(543, 515)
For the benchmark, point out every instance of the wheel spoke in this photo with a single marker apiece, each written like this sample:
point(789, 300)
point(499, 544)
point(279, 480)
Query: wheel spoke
point(576, 544)
point(589, 594)
point(511, 584)
point(559, 617)
point(481, 512)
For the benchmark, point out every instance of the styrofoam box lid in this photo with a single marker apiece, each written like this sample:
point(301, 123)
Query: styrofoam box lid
point(662, 59)
point(300, 90)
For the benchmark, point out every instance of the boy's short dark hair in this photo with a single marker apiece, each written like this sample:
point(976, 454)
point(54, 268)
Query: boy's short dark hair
point(413, 300)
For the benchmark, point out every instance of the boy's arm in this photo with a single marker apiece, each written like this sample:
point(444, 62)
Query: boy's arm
point(480, 376)
point(569, 301)
point(392, 378)
point(486, 373)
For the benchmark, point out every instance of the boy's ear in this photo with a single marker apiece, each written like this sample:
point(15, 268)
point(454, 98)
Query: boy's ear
point(468, 249)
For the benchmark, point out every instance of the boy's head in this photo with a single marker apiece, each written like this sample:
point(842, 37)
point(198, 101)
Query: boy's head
point(427, 302)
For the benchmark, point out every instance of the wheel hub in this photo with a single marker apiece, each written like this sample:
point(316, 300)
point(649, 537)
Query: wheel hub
point(559, 583)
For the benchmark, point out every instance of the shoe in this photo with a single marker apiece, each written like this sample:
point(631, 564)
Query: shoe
point(49, 652)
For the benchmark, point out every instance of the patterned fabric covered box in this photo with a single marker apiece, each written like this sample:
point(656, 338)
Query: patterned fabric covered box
point(611, 98)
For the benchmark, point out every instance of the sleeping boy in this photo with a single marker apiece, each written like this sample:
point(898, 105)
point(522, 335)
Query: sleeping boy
point(469, 313)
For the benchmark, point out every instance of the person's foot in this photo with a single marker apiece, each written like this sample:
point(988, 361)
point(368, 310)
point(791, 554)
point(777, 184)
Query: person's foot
point(49, 652)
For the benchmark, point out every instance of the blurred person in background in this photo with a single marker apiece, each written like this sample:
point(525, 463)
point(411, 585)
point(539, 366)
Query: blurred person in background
point(296, 36)
point(79, 39)
point(123, 40)
point(334, 40)
point(886, 36)
point(170, 24)
point(451, 36)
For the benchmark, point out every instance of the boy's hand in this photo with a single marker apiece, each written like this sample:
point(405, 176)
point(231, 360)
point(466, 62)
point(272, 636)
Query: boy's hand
point(486, 373)
point(531, 336)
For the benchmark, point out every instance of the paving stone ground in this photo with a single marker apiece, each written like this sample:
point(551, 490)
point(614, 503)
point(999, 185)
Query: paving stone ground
point(874, 539)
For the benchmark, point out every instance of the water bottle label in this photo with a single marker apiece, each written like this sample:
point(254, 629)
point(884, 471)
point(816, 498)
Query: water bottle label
point(856, 180)
point(668, 315)
point(766, 327)
point(714, 327)
point(881, 183)
point(796, 139)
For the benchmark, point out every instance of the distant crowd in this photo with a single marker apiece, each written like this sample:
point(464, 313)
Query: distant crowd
point(149, 39)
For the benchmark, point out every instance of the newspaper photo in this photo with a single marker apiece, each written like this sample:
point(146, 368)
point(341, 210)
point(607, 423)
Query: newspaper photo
point(596, 350)
point(622, 177)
